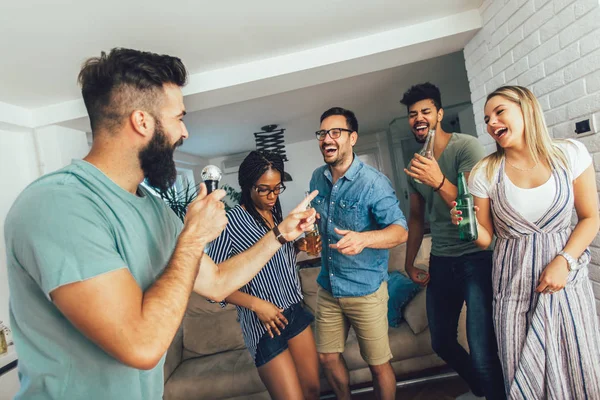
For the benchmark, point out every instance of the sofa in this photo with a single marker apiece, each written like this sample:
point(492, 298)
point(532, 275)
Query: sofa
point(208, 358)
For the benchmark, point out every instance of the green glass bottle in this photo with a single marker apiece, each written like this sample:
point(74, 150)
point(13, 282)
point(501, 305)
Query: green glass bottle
point(467, 228)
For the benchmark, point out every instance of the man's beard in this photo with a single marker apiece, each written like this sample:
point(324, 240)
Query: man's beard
point(336, 162)
point(156, 160)
point(419, 140)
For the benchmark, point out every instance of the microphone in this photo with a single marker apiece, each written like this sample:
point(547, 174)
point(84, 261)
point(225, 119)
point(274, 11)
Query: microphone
point(211, 175)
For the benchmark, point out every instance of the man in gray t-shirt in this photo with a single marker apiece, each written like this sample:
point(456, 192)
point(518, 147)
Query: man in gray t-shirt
point(459, 272)
point(461, 153)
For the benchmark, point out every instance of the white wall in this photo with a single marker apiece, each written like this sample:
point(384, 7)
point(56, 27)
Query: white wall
point(553, 48)
point(227, 178)
point(18, 168)
point(57, 146)
point(467, 124)
point(304, 158)
point(191, 162)
point(20, 165)
point(377, 142)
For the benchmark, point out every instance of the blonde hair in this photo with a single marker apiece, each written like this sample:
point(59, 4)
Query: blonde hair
point(538, 140)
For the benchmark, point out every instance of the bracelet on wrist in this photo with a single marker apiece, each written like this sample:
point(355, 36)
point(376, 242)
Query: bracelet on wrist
point(279, 235)
point(441, 184)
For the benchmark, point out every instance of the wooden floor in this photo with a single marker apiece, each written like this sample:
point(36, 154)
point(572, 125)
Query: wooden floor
point(447, 389)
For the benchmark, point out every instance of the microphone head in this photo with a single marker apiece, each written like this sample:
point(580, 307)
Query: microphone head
point(211, 173)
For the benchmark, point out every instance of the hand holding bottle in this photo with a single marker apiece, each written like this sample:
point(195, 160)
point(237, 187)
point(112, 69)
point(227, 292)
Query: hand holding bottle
point(417, 275)
point(426, 152)
point(463, 211)
point(456, 215)
point(425, 170)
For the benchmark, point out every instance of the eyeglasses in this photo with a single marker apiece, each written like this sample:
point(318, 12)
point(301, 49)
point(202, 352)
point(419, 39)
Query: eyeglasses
point(263, 191)
point(333, 133)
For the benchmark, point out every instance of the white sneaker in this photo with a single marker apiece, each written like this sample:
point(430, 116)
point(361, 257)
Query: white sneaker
point(469, 396)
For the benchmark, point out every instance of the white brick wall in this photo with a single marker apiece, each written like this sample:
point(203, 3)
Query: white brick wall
point(553, 48)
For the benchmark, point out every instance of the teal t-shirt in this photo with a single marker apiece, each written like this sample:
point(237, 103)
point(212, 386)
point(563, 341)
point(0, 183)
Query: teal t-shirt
point(460, 155)
point(68, 226)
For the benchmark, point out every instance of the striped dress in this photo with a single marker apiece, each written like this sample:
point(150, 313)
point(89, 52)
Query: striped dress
point(549, 344)
point(277, 282)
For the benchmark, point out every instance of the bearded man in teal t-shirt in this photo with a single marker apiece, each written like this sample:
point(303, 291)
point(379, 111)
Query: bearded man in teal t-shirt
point(100, 270)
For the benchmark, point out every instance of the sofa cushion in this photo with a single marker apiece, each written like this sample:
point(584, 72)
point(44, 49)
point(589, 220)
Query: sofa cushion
point(308, 281)
point(209, 328)
point(401, 290)
point(398, 255)
point(218, 376)
point(397, 258)
point(415, 313)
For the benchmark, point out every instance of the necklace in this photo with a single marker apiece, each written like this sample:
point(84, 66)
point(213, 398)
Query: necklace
point(521, 169)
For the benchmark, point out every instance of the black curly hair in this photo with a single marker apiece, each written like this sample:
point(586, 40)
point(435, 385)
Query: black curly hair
point(422, 91)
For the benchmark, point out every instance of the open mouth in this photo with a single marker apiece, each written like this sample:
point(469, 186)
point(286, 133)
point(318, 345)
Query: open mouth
point(499, 132)
point(329, 150)
point(421, 128)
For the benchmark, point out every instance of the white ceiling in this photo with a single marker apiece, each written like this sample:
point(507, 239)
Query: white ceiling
point(44, 42)
point(250, 63)
point(373, 97)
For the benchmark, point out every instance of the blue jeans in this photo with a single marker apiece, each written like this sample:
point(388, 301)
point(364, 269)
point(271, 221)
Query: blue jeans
point(454, 281)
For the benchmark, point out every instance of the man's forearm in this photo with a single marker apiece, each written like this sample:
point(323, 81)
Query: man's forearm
point(415, 238)
point(165, 302)
point(387, 237)
point(448, 192)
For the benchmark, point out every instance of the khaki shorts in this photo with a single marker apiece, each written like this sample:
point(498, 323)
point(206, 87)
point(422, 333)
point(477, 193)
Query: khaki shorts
point(366, 314)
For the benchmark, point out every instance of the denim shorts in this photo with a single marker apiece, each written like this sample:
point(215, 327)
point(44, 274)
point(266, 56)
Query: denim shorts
point(268, 348)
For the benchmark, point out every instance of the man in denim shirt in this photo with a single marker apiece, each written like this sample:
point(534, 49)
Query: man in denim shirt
point(360, 220)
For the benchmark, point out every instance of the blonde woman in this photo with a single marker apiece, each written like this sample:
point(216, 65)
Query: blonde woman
point(525, 192)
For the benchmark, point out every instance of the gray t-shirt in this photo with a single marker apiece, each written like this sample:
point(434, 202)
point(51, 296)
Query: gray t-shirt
point(460, 155)
point(69, 226)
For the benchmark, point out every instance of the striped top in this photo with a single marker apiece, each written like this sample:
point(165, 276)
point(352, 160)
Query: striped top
point(549, 344)
point(277, 282)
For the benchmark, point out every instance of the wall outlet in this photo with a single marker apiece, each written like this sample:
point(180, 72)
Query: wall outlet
point(587, 125)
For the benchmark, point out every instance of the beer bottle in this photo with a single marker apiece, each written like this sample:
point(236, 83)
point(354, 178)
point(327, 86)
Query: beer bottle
point(427, 150)
point(312, 236)
point(467, 227)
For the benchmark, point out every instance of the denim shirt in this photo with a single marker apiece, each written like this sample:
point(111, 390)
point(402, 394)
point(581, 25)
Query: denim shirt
point(362, 200)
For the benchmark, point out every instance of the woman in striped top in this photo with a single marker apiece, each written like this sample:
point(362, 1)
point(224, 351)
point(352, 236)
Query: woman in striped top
point(544, 311)
point(275, 326)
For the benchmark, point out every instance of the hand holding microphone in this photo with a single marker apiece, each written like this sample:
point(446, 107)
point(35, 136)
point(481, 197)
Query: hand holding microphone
point(205, 218)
